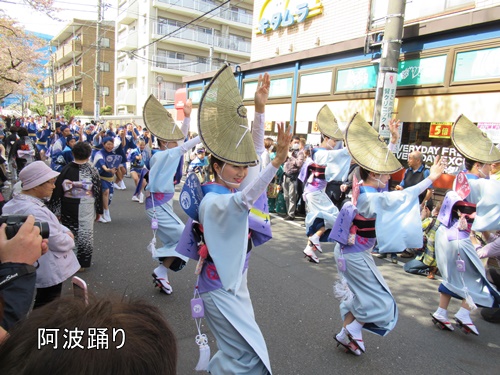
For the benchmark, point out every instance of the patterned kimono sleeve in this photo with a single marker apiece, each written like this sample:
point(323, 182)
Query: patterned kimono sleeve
point(55, 202)
point(97, 190)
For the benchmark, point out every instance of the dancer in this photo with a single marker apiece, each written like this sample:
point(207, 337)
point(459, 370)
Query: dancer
point(77, 201)
point(160, 188)
point(224, 221)
point(107, 162)
point(463, 273)
point(367, 302)
point(139, 165)
point(328, 163)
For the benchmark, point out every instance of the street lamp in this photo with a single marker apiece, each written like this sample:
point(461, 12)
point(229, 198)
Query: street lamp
point(159, 79)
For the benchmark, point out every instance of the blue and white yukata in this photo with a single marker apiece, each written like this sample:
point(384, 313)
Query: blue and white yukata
point(320, 209)
point(226, 218)
point(42, 137)
point(397, 227)
point(110, 160)
point(451, 241)
point(373, 303)
point(161, 189)
point(57, 161)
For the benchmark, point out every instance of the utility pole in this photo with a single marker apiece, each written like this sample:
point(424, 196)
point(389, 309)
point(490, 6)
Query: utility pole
point(53, 69)
point(388, 68)
point(97, 93)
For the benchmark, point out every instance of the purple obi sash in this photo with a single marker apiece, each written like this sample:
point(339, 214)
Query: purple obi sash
point(361, 244)
point(159, 199)
point(453, 233)
point(209, 277)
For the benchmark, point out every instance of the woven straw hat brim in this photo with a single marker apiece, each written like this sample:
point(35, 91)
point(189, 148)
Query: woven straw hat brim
point(473, 143)
point(222, 121)
point(327, 124)
point(368, 149)
point(160, 122)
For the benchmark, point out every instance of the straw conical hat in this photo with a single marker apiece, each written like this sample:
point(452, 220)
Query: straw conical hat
point(327, 124)
point(368, 149)
point(473, 143)
point(223, 123)
point(160, 122)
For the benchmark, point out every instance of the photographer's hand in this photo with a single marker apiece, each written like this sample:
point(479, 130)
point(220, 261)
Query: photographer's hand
point(27, 238)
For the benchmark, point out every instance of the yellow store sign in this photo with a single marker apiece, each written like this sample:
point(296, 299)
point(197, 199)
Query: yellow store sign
point(284, 13)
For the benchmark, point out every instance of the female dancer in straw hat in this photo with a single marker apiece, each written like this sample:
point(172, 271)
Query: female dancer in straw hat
point(373, 308)
point(327, 163)
point(463, 272)
point(160, 188)
point(223, 215)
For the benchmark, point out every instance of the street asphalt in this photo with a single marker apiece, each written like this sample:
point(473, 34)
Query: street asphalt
point(293, 304)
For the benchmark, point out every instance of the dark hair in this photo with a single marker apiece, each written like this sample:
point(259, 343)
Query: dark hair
point(22, 132)
point(215, 160)
point(81, 151)
point(149, 345)
point(295, 138)
point(469, 163)
point(363, 173)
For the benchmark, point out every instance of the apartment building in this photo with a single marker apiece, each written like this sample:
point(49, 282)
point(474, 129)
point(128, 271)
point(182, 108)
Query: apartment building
point(158, 42)
point(73, 67)
point(328, 52)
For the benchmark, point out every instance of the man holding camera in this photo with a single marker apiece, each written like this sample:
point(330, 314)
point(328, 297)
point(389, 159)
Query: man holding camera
point(17, 273)
point(60, 262)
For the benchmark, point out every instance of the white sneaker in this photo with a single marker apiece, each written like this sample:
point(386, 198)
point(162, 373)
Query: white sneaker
point(102, 219)
point(141, 198)
point(314, 239)
point(107, 216)
point(116, 186)
point(122, 185)
point(309, 253)
point(135, 199)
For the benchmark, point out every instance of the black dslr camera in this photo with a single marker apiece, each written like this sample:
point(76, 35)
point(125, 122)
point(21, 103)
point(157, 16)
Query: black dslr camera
point(14, 222)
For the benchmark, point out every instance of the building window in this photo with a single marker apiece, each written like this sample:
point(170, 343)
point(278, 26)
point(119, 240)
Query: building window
point(316, 83)
point(104, 66)
point(105, 42)
point(104, 90)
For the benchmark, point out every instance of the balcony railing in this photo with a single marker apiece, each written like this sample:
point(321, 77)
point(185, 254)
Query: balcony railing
point(203, 38)
point(126, 69)
point(128, 12)
point(69, 50)
point(205, 6)
point(190, 66)
point(127, 97)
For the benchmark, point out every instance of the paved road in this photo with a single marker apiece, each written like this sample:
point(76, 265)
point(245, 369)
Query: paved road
point(293, 304)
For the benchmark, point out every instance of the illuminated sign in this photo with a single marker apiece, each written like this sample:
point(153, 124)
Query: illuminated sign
point(440, 130)
point(284, 13)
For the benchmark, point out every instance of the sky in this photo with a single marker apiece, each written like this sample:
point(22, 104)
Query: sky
point(68, 9)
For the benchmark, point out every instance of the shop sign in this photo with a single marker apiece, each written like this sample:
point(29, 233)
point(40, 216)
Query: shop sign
point(477, 65)
point(362, 78)
point(440, 130)
point(455, 160)
point(426, 71)
point(277, 13)
point(492, 130)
